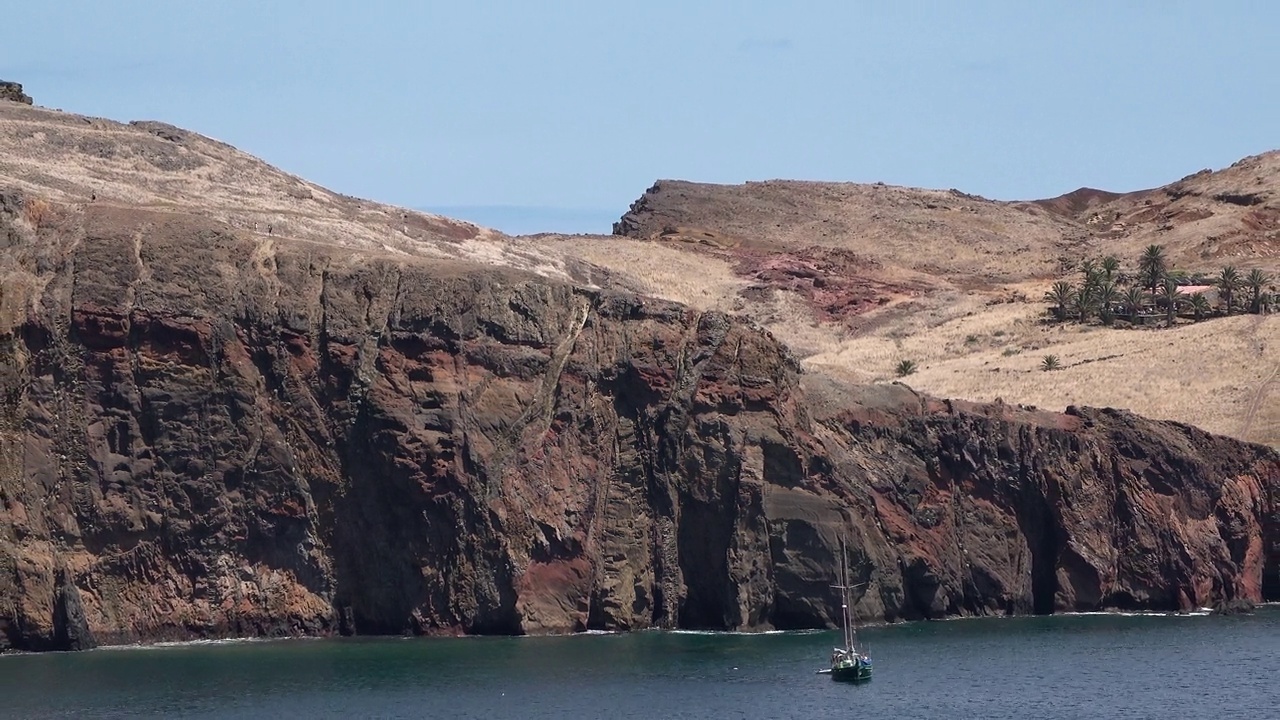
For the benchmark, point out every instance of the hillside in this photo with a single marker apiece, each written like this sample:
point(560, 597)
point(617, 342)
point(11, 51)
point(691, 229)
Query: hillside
point(233, 403)
point(1077, 203)
point(76, 163)
point(856, 278)
point(1204, 220)
point(971, 240)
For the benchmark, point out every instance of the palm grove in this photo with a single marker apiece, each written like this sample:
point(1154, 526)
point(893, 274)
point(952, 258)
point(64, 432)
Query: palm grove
point(1105, 294)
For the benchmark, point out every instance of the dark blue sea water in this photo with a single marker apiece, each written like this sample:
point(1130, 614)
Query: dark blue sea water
point(1091, 666)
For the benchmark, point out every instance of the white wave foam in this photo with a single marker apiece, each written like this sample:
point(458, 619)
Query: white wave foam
point(168, 644)
point(1138, 613)
point(743, 633)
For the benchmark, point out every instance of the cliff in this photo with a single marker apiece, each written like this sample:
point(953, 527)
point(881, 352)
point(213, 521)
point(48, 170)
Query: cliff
point(210, 432)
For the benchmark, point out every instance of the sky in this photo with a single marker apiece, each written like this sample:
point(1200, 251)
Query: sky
point(557, 115)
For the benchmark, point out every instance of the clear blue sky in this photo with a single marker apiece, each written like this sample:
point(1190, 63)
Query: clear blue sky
point(557, 115)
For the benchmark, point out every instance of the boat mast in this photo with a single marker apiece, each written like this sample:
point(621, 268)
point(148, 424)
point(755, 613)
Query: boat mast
point(844, 597)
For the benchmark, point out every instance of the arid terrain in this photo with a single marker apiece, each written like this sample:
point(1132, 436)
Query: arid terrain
point(234, 403)
point(855, 278)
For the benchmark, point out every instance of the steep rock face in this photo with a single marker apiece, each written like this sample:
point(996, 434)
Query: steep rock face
point(208, 434)
point(1000, 509)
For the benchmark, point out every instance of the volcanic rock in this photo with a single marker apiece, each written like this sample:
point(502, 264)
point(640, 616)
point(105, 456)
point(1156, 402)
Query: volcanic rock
point(12, 92)
point(209, 434)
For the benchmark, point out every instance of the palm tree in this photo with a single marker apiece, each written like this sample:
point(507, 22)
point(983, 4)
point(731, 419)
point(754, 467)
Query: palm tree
point(1107, 294)
point(1089, 269)
point(1254, 281)
point(905, 368)
point(1110, 267)
point(1061, 295)
point(1152, 266)
point(1199, 305)
point(1229, 283)
point(1086, 299)
point(1133, 301)
point(1170, 296)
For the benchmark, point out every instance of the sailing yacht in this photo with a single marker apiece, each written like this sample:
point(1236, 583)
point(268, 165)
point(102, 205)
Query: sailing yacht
point(851, 663)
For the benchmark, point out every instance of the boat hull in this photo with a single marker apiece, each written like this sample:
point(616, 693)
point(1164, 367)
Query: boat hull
point(852, 672)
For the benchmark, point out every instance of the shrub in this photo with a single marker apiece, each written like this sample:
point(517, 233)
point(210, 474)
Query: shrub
point(37, 212)
point(1050, 362)
point(905, 367)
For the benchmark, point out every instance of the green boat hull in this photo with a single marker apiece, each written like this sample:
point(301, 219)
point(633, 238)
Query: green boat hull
point(851, 672)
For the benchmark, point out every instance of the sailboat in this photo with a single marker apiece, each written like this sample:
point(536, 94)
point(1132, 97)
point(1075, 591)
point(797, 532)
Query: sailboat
point(851, 663)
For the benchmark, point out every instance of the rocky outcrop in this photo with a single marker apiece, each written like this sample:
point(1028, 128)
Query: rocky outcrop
point(837, 285)
point(12, 92)
point(206, 433)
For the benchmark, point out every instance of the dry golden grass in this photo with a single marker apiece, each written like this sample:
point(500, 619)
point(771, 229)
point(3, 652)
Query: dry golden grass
point(1217, 374)
point(703, 281)
point(700, 279)
point(37, 212)
point(78, 162)
point(979, 345)
point(939, 328)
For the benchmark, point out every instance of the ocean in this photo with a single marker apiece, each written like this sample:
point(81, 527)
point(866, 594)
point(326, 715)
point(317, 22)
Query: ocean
point(1074, 666)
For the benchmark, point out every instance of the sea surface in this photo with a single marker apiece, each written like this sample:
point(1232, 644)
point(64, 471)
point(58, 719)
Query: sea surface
point(1082, 666)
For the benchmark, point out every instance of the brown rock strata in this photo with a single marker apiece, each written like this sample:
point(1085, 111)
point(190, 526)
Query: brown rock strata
point(208, 433)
